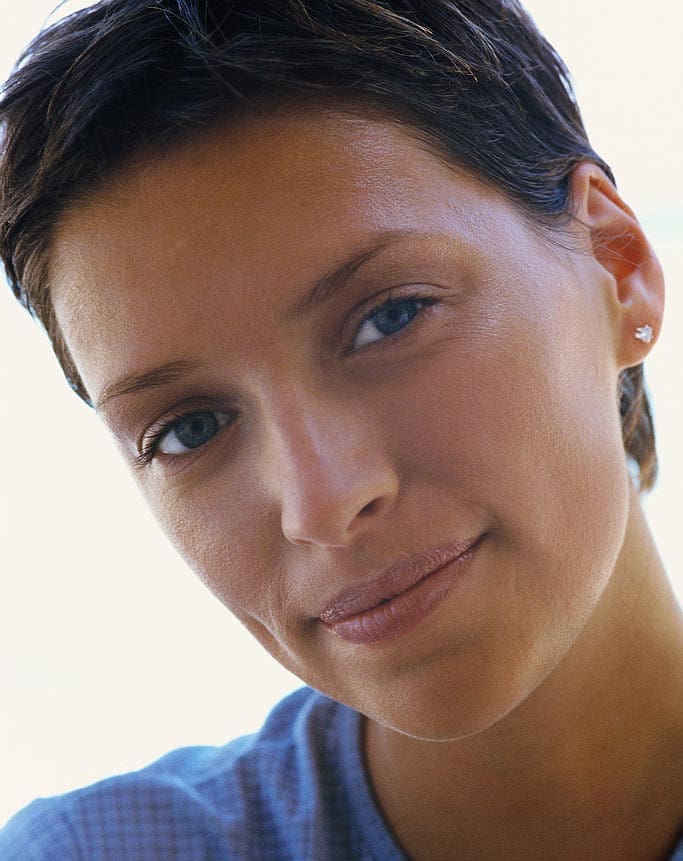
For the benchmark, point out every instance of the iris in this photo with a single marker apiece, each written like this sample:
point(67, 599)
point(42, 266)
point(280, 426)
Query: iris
point(196, 428)
point(396, 315)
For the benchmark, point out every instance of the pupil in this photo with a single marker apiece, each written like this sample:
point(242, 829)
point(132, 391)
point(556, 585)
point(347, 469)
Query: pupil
point(196, 429)
point(395, 316)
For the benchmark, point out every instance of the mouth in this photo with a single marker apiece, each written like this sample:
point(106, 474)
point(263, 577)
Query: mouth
point(401, 598)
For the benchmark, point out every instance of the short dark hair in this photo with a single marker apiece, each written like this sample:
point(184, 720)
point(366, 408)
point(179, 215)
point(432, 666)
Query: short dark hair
point(475, 78)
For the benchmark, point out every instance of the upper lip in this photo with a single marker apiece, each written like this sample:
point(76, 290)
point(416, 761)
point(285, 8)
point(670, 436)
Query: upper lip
point(400, 576)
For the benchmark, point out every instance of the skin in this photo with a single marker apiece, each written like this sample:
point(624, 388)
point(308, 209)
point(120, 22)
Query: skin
point(538, 707)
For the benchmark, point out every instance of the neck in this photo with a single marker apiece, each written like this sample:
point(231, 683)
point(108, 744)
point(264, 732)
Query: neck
point(590, 762)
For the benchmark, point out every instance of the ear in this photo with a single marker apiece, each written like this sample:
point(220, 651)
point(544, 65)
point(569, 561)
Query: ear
point(620, 247)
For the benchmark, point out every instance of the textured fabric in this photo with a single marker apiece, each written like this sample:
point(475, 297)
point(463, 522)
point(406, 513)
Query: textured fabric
point(678, 851)
point(295, 791)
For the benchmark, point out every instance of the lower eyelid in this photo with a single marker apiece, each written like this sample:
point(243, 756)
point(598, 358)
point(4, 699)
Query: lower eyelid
point(149, 447)
point(426, 301)
point(222, 420)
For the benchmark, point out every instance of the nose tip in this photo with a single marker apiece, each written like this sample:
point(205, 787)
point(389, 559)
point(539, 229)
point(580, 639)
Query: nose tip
point(336, 520)
point(327, 465)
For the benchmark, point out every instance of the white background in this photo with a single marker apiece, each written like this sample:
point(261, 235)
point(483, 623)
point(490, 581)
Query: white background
point(110, 652)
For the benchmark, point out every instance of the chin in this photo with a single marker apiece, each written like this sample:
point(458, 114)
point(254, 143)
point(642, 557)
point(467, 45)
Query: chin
point(442, 726)
point(440, 711)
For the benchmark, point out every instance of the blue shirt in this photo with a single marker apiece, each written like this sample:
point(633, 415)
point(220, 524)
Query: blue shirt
point(295, 791)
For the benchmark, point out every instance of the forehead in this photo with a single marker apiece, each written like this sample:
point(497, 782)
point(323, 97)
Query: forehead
point(261, 168)
point(254, 212)
point(247, 181)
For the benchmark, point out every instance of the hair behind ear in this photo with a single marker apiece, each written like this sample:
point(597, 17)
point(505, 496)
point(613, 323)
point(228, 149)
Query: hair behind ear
point(637, 426)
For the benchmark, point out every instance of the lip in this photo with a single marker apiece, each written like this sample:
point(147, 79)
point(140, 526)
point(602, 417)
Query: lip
point(401, 597)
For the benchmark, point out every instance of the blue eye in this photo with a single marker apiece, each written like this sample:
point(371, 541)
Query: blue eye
point(191, 431)
point(388, 319)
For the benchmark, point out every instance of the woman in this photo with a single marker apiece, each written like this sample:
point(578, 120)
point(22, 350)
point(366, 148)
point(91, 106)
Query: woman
point(366, 316)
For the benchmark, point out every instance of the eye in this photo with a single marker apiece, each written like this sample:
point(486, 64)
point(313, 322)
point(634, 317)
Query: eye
point(391, 317)
point(189, 431)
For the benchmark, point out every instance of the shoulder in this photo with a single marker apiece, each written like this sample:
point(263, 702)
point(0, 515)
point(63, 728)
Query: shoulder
point(678, 848)
point(269, 795)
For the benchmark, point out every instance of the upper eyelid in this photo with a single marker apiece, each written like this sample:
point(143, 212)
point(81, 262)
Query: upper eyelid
point(148, 451)
point(369, 306)
point(155, 430)
point(365, 310)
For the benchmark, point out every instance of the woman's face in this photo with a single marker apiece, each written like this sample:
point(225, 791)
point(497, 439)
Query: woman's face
point(448, 388)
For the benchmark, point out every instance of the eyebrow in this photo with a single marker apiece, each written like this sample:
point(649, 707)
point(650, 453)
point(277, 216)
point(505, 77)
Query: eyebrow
point(135, 382)
point(324, 289)
point(332, 281)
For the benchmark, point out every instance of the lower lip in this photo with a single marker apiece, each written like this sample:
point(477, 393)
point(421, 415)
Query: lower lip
point(406, 610)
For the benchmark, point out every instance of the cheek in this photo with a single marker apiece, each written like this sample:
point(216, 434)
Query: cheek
point(233, 548)
point(510, 409)
point(222, 536)
point(529, 436)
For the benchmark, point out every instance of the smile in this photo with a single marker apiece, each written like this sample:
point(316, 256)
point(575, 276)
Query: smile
point(400, 598)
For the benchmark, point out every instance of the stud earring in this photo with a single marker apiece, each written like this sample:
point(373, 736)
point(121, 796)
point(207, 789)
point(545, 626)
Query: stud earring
point(644, 334)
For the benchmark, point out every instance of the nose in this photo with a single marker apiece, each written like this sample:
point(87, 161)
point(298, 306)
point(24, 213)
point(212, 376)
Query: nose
point(329, 469)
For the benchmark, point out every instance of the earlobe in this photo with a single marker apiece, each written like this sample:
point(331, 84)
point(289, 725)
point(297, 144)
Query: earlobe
point(619, 246)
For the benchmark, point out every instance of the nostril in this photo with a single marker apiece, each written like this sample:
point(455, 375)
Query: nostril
point(369, 509)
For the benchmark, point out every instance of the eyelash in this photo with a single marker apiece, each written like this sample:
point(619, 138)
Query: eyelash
point(393, 301)
point(151, 442)
point(151, 445)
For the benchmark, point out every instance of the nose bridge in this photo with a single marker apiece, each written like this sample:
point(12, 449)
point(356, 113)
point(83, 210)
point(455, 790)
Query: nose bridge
point(327, 465)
